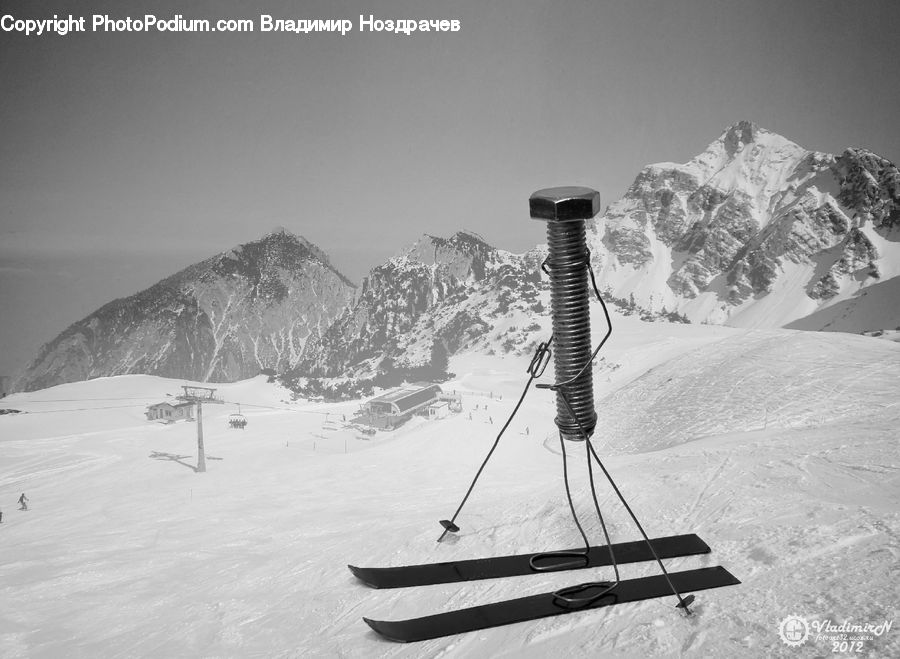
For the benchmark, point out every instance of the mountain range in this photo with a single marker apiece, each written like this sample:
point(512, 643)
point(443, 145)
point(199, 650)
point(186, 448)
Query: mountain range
point(755, 231)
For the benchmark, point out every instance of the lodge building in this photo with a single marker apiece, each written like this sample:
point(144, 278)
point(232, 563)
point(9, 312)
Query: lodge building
point(396, 406)
point(166, 411)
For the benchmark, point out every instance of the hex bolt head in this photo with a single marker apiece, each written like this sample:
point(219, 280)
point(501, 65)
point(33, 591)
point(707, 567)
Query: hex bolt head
point(564, 204)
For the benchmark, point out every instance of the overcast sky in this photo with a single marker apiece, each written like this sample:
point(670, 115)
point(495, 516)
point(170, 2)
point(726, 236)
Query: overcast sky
point(124, 157)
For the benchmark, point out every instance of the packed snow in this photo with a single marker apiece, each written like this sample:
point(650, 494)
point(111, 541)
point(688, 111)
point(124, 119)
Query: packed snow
point(779, 448)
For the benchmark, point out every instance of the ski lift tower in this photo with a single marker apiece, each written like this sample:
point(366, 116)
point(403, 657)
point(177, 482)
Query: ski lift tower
point(200, 395)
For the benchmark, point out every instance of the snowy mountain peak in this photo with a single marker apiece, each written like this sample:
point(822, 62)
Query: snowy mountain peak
point(464, 254)
point(277, 250)
point(739, 134)
point(745, 133)
point(467, 242)
point(454, 291)
point(281, 237)
point(284, 237)
point(744, 127)
point(754, 231)
point(746, 159)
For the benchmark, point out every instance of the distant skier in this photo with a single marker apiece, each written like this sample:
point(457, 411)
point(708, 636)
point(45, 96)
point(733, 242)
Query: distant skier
point(23, 502)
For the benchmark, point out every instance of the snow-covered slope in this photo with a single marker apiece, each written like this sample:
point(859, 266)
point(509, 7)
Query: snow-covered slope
point(756, 231)
point(779, 448)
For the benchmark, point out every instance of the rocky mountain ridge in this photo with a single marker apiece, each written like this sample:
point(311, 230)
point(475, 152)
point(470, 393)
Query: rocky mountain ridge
point(446, 290)
point(222, 319)
point(756, 231)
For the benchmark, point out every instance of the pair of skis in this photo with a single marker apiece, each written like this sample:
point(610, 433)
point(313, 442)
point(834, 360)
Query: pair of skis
point(544, 604)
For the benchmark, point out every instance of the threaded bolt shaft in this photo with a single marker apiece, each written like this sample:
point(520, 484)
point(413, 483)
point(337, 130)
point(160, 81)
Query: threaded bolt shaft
point(566, 210)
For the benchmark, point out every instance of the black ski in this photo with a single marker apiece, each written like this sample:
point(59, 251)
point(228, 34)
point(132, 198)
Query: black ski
point(520, 564)
point(545, 605)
